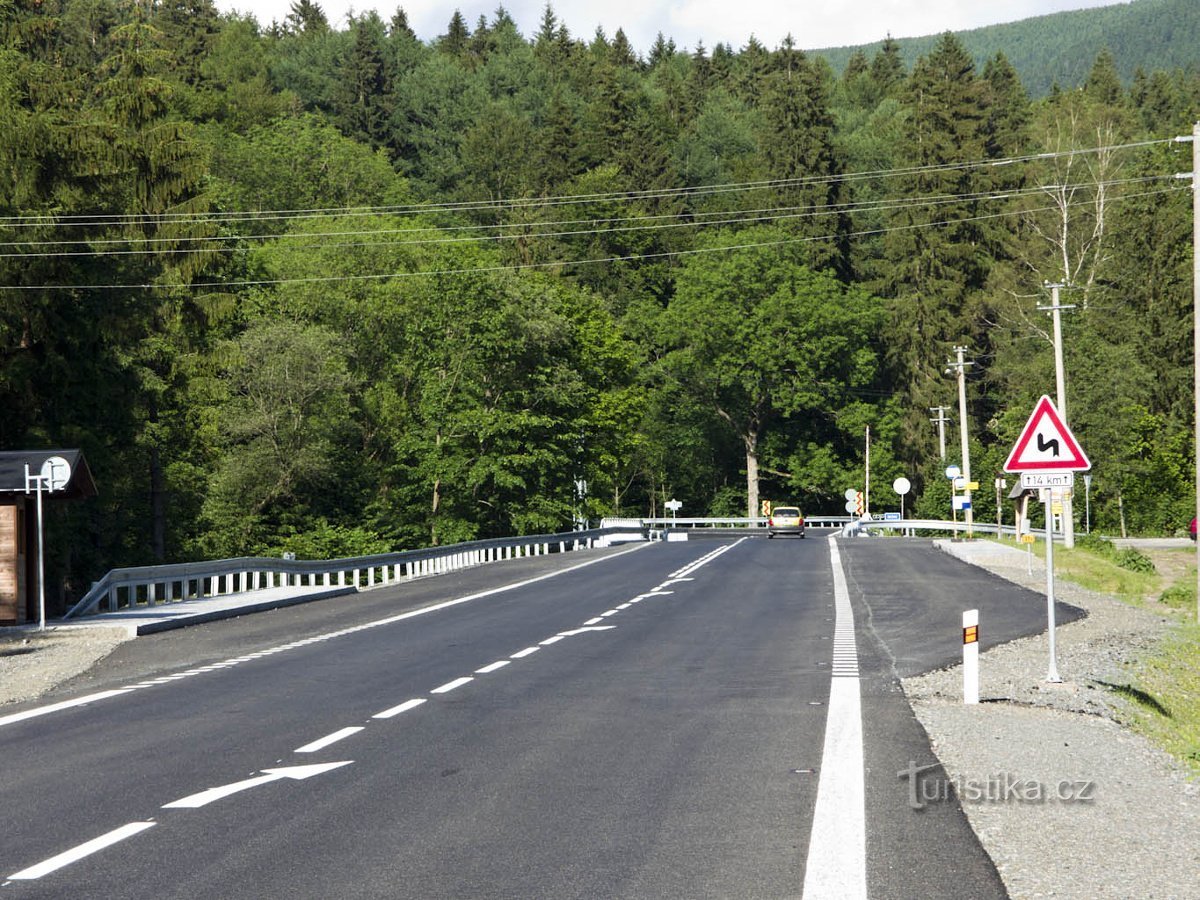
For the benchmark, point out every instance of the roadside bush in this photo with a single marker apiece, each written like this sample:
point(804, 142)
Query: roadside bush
point(1181, 595)
point(1128, 559)
point(1134, 561)
point(1095, 544)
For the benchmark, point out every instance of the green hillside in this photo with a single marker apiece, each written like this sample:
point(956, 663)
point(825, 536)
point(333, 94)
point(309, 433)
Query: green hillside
point(1060, 48)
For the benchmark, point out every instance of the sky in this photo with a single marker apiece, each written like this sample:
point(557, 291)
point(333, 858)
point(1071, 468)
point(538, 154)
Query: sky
point(813, 24)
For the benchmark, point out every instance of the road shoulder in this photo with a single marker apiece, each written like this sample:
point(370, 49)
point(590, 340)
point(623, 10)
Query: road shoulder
point(1048, 776)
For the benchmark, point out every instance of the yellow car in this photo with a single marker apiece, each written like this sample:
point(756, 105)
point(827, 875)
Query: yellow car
point(785, 520)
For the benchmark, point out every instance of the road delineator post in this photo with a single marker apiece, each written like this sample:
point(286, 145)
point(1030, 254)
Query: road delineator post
point(970, 621)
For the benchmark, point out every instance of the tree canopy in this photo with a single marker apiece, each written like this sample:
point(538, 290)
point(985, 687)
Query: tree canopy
point(329, 291)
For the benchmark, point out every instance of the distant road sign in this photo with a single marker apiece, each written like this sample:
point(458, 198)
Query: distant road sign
point(953, 471)
point(901, 485)
point(1046, 444)
point(891, 517)
point(56, 473)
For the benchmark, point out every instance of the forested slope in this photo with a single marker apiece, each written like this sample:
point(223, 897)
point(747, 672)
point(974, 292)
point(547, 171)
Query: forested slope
point(1058, 50)
point(334, 292)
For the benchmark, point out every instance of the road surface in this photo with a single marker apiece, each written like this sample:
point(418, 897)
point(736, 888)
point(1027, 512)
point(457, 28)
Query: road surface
point(658, 721)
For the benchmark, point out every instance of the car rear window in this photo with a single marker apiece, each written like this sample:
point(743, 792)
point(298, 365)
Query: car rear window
point(787, 511)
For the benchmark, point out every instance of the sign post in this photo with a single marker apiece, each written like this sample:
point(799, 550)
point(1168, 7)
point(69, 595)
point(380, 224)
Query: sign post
point(54, 476)
point(902, 486)
point(1047, 456)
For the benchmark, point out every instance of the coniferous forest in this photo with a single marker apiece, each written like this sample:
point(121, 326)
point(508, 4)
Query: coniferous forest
point(339, 291)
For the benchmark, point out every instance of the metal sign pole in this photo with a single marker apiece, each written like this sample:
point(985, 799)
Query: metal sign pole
point(1052, 673)
point(36, 480)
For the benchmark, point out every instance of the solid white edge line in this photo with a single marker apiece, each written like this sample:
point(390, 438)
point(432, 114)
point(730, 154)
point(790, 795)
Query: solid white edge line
point(452, 685)
point(56, 707)
point(837, 848)
point(324, 742)
point(396, 710)
point(75, 854)
point(498, 664)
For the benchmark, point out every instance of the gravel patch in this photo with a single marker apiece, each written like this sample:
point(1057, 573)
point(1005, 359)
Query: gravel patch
point(1012, 758)
point(33, 662)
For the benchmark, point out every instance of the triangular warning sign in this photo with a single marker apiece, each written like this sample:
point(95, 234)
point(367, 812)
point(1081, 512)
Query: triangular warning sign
point(1046, 444)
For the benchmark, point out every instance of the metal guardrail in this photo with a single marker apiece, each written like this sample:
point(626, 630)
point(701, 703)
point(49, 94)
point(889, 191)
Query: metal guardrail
point(151, 585)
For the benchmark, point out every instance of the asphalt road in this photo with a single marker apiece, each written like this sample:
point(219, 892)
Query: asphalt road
point(648, 725)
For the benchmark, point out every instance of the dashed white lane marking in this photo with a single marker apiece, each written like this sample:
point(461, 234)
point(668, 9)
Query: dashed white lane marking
point(396, 710)
point(498, 664)
point(75, 854)
point(205, 797)
point(452, 685)
point(324, 742)
point(837, 848)
point(294, 645)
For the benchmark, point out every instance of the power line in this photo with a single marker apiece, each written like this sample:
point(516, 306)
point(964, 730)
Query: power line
point(551, 264)
point(109, 219)
point(646, 223)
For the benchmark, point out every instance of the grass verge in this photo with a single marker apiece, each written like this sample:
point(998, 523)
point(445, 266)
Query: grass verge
point(1171, 676)
point(1102, 574)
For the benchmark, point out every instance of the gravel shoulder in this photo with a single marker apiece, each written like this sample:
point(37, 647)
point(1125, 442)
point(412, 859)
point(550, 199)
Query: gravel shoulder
point(1014, 756)
point(33, 662)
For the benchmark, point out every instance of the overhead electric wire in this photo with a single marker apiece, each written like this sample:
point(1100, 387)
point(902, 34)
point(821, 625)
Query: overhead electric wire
point(556, 264)
point(108, 219)
point(646, 223)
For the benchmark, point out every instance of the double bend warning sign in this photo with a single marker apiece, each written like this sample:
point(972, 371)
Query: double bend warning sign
point(1046, 444)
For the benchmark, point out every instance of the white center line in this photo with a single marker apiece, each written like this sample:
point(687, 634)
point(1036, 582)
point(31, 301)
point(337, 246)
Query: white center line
point(521, 654)
point(324, 742)
point(595, 621)
point(55, 863)
point(451, 685)
point(396, 710)
point(499, 664)
point(837, 848)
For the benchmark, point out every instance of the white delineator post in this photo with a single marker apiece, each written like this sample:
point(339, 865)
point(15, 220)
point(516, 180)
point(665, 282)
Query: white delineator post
point(970, 620)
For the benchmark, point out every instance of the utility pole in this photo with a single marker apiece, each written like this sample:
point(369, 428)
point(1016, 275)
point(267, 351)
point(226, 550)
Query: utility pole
point(941, 424)
point(961, 368)
point(867, 490)
point(1194, 175)
point(1060, 386)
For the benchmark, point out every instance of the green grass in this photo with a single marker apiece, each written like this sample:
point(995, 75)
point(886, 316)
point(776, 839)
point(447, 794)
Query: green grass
point(1171, 676)
point(1102, 573)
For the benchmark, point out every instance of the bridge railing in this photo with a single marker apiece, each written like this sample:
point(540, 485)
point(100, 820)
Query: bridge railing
point(152, 585)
